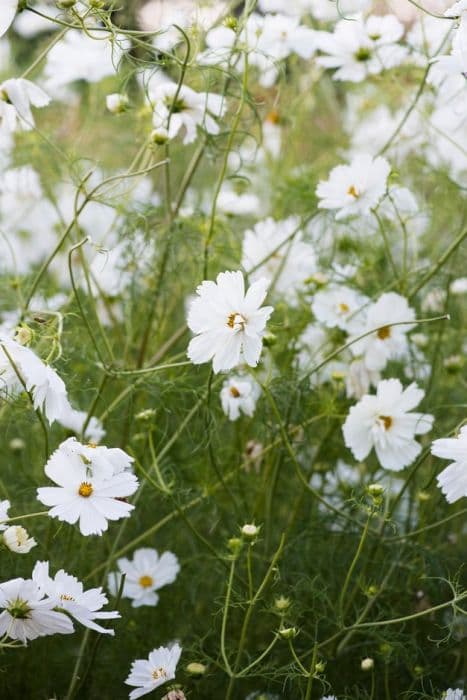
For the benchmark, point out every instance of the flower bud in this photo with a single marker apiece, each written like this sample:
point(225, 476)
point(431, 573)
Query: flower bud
point(196, 669)
point(146, 415)
point(175, 694)
point(23, 335)
point(320, 667)
point(231, 22)
point(159, 136)
point(269, 339)
point(282, 603)
point(367, 664)
point(116, 103)
point(235, 545)
point(65, 4)
point(17, 539)
point(375, 490)
point(17, 444)
point(288, 632)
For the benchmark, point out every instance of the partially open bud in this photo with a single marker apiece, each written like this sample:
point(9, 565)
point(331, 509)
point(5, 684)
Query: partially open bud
point(116, 103)
point(159, 136)
point(250, 531)
point(17, 539)
point(17, 444)
point(231, 22)
point(23, 335)
point(367, 664)
point(282, 604)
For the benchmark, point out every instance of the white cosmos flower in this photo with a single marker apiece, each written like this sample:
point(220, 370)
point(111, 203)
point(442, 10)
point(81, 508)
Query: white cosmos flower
point(68, 593)
point(383, 422)
point(356, 188)
point(27, 614)
point(93, 483)
point(239, 395)
point(275, 249)
point(337, 306)
point(362, 47)
point(453, 480)
point(8, 10)
point(149, 674)
point(17, 96)
point(146, 573)
point(17, 539)
point(47, 388)
point(229, 324)
point(456, 62)
point(389, 342)
point(176, 108)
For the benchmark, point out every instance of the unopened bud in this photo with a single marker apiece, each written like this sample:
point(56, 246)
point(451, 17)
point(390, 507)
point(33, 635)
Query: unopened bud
point(23, 335)
point(17, 444)
point(282, 603)
point(375, 490)
point(235, 545)
point(288, 632)
point(231, 22)
point(250, 531)
point(196, 669)
point(116, 103)
point(367, 664)
point(146, 415)
point(159, 136)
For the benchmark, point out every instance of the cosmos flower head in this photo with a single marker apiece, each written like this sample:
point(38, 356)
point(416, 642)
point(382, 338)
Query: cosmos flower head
point(229, 323)
point(453, 479)
point(145, 574)
point(148, 674)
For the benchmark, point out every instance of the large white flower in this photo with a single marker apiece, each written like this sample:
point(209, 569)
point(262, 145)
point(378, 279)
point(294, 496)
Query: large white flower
point(176, 108)
point(360, 48)
point(239, 395)
point(93, 483)
point(47, 389)
point(27, 614)
point(8, 10)
point(17, 96)
point(147, 675)
point(389, 342)
point(228, 323)
point(69, 595)
point(356, 188)
point(145, 575)
point(383, 422)
point(275, 249)
point(453, 480)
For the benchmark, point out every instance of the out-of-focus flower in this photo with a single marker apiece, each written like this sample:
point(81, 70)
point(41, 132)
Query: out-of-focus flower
point(453, 480)
point(17, 96)
point(145, 574)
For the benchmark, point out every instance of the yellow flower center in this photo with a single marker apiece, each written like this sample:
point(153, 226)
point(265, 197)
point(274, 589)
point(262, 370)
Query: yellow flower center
point(386, 420)
point(344, 308)
point(384, 333)
point(353, 191)
point(85, 489)
point(236, 321)
point(145, 581)
point(159, 673)
point(66, 596)
point(234, 392)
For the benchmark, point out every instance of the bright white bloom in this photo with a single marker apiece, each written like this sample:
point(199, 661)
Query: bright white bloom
point(7, 14)
point(336, 307)
point(68, 594)
point(146, 573)
point(239, 395)
point(93, 483)
point(275, 249)
point(177, 108)
point(17, 96)
point(17, 539)
point(27, 614)
point(389, 342)
point(147, 675)
point(47, 388)
point(229, 324)
point(356, 188)
point(360, 48)
point(453, 480)
point(383, 422)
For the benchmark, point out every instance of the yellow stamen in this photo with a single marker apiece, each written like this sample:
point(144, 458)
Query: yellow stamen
point(159, 673)
point(234, 392)
point(387, 421)
point(384, 332)
point(353, 191)
point(85, 489)
point(344, 308)
point(145, 581)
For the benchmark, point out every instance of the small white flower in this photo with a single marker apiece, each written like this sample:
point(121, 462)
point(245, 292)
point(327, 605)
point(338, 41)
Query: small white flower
point(69, 595)
point(146, 573)
point(27, 614)
point(459, 286)
point(453, 480)
point(356, 188)
point(229, 323)
point(147, 675)
point(239, 395)
point(383, 422)
point(93, 483)
point(275, 249)
point(17, 95)
point(337, 306)
point(4, 508)
point(17, 539)
point(8, 11)
point(176, 108)
point(390, 341)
